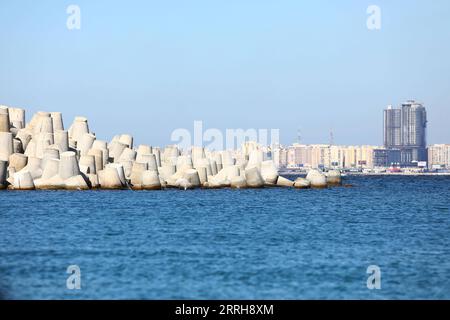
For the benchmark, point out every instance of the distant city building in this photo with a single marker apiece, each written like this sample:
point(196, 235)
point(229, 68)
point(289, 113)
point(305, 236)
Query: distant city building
point(383, 157)
point(328, 156)
point(414, 124)
point(439, 156)
point(405, 130)
point(404, 145)
point(392, 128)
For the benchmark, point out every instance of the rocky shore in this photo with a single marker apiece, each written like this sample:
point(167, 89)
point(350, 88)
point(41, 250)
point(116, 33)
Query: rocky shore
point(42, 155)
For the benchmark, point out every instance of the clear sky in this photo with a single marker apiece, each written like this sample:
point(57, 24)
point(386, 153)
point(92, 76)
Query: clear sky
point(149, 67)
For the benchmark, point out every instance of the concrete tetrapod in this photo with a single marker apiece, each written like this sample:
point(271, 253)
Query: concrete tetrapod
point(255, 159)
point(334, 178)
point(57, 121)
point(217, 157)
point(25, 137)
point(17, 117)
point(254, 178)
point(93, 180)
point(51, 169)
point(98, 157)
point(127, 139)
point(302, 183)
point(150, 180)
point(317, 179)
point(120, 172)
point(68, 165)
point(143, 149)
point(127, 155)
point(238, 182)
point(283, 182)
point(4, 119)
point(44, 123)
point(62, 140)
point(33, 167)
point(227, 159)
point(23, 181)
point(53, 183)
point(109, 178)
point(150, 159)
point(183, 184)
point(191, 175)
point(127, 168)
point(213, 165)
point(102, 145)
point(78, 128)
point(18, 161)
point(157, 153)
point(85, 143)
point(6, 145)
point(136, 174)
point(166, 171)
point(52, 152)
point(50, 179)
point(43, 141)
point(269, 172)
point(87, 164)
point(17, 146)
point(115, 150)
point(3, 172)
point(77, 182)
point(202, 174)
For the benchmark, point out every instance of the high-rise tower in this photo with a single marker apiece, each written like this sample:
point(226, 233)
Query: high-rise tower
point(392, 127)
point(414, 125)
point(405, 131)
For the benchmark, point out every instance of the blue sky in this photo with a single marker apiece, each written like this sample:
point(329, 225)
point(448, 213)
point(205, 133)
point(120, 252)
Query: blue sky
point(149, 67)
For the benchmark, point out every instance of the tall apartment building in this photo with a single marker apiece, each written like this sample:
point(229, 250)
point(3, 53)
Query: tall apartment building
point(405, 132)
point(392, 128)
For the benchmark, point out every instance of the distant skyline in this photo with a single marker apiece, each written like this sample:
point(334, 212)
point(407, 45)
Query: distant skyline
point(150, 67)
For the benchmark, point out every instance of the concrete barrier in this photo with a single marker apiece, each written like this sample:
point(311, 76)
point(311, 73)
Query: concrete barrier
point(238, 182)
point(269, 172)
point(283, 182)
point(317, 179)
point(4, 119)
point(150, 180)
point(85, 143)
point(23, 181)
point(136, 174)
point(78, 128)
point(17, 117)
point(41, 151)
point(18, 161)
point(254, 178)
point(302, 183)
point(109, 179)
point(334, 178)
point(191, 175)
point(68, 165)
point(6, 145)
point(3, 173)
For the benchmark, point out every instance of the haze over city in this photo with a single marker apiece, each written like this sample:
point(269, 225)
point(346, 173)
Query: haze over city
point(308, 66)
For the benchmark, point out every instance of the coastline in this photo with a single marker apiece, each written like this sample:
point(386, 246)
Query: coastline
point(302, 173)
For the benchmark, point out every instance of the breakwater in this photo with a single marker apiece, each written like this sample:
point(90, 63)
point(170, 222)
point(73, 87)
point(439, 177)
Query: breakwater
point(42, 154)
